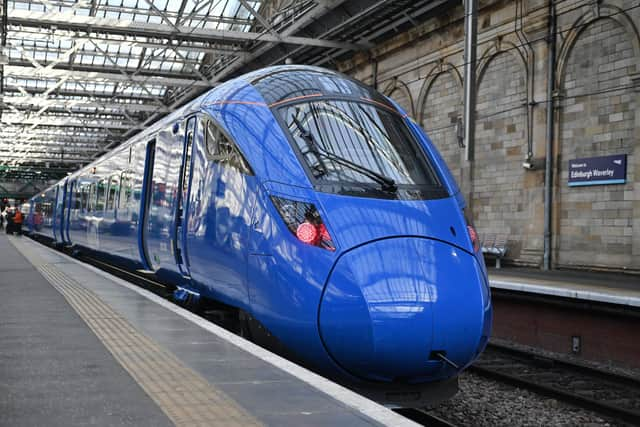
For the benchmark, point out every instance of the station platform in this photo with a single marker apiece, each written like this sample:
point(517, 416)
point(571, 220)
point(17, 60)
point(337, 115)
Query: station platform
point(81, 347)
point(611, 288)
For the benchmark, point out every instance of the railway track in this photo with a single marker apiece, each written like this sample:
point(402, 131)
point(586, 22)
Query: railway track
point(613, 395)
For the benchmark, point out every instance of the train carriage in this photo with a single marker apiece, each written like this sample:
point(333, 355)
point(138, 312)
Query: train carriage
point(311, 203)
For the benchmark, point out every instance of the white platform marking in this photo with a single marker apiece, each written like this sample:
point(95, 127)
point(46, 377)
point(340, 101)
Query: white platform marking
point(371, 409)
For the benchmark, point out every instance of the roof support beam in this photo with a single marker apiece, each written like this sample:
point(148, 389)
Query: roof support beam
point(53, 146)
point(71, 122)
point(323, 7)
point(25, 102)
point(11, 158)
point(116, 40)
point(91, 24)
point(100, 77)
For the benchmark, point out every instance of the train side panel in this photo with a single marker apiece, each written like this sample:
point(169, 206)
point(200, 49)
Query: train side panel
point(220, 200)
point(43, 213)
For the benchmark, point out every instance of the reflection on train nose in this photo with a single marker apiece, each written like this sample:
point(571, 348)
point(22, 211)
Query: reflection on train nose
point(386, 300)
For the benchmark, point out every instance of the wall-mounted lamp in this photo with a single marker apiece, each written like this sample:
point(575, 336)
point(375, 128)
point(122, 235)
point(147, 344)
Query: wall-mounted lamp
point(532, 164)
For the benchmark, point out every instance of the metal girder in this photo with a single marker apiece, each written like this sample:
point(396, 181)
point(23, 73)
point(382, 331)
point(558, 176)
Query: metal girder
point(92, 24)
point(11, 88)
point(323, 7)
point(26, 102)
point(120, 41)
point(101, 77)
point(363, 9)
point(53, 146)
point(43, 140)
point(11, 131)
point(54, 155)
point(402, 18)
point(49, 159)
point(72, 122)
point(106, 68)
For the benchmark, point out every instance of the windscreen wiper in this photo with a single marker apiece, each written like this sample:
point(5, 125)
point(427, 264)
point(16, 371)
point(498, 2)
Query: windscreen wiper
point(388, 184)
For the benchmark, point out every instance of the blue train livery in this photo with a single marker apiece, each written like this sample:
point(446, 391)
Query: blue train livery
point(312, 204)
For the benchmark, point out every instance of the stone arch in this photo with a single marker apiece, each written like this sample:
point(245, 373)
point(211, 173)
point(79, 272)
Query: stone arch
point(598, 116)
point(399, 92)
point(499, 47)
point(440, 107)
point(502, 197)
point(595, 13)
point(441, 67)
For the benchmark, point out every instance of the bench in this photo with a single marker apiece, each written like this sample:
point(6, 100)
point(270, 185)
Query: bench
point(495, 245)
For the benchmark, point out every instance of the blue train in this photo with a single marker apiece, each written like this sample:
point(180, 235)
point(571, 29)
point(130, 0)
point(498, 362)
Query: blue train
point(308, 201)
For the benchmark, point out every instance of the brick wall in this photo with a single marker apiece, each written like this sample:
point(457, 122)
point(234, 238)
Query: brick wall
point(597, 118)
point(441, 110)
point(498, 190)
point(596, 113)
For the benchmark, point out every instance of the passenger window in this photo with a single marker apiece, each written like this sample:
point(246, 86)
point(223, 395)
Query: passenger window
point(221, 149)
point(77, 196)
point(114, 184)
point(91, 200)
point(102, 195)
point(125, 190)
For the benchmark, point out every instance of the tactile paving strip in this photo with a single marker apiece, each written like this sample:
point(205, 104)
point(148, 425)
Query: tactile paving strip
point(184, 396)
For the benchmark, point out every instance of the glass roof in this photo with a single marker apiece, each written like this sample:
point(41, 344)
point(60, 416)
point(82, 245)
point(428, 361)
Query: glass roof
point(92, 73)
point(111, 62)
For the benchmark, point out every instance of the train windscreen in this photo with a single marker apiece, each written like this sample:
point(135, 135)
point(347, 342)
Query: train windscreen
point(361, 149)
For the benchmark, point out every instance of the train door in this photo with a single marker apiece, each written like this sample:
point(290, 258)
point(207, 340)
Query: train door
point(145, 205)
point(54, 226)
point(58, 212)
point(182, 203)
point(222, 193)
point(71, 185)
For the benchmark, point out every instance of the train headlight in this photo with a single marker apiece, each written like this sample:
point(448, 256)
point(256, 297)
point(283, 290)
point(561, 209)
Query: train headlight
point(304, 222)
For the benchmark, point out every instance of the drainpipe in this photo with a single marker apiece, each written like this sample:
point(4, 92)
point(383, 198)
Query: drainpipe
point(548, 178)
point(470, 42)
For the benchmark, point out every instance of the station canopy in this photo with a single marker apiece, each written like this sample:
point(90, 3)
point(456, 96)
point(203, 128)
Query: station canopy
point(77, 78)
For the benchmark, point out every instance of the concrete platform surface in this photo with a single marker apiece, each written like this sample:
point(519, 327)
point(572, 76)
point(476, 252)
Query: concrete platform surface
point(81, 347)
point(612, 288)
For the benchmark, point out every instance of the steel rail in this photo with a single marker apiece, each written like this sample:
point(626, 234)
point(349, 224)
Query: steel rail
point(551, 390)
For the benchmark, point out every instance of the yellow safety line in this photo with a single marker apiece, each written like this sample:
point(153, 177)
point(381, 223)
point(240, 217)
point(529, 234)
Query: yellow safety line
point(182, 394)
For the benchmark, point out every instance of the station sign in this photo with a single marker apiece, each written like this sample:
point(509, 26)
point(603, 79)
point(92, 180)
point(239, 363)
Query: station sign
point(598, 170)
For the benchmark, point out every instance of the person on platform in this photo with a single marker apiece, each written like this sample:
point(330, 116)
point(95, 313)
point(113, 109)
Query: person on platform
point(9, 218)
point(17, 221)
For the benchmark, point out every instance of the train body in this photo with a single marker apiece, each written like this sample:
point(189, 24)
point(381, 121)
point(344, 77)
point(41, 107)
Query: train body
point(307, 200)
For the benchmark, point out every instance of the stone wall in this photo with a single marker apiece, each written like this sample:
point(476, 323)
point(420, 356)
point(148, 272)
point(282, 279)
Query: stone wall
point(597, 80)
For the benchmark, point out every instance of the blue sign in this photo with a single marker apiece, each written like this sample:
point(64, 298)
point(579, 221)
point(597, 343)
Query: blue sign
point(598, 170)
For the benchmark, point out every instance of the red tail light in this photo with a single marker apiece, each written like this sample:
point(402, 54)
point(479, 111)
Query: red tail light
point(307, 233)
point(304, 221)
point(473, 234)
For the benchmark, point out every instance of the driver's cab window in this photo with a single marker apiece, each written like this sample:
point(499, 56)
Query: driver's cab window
point(221, 149)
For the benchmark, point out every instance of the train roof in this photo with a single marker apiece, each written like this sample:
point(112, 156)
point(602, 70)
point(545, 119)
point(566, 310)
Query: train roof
point(281, 83)
point(267, 87)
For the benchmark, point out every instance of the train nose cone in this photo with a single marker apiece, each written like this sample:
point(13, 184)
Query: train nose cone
point(389, 306)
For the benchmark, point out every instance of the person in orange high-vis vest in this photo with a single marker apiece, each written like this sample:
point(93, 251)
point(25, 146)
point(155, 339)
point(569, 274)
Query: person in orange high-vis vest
point(17, 221)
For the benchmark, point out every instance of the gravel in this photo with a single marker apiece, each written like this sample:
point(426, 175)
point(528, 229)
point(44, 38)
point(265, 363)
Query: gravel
point(607, 366)
point(482, 402)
